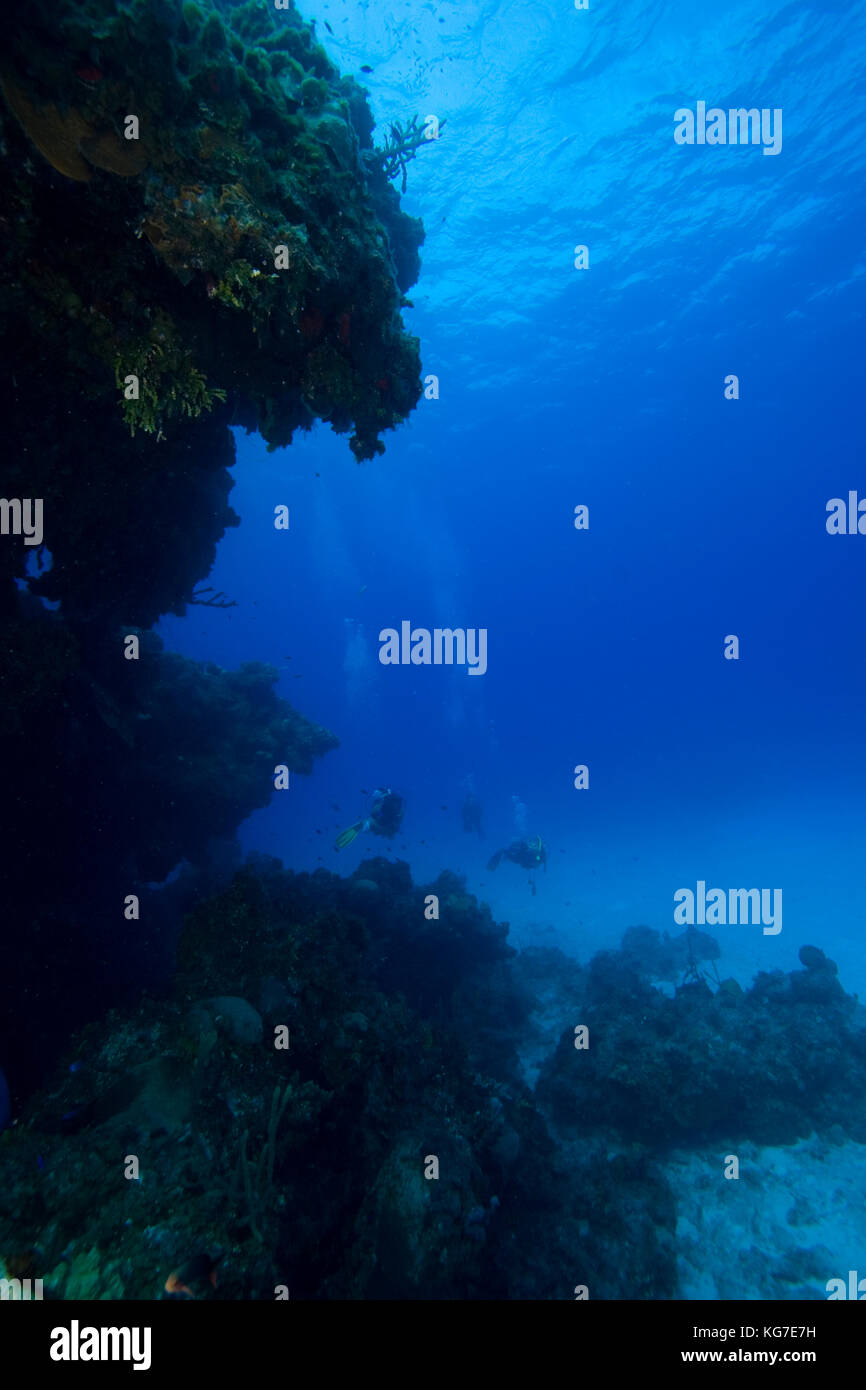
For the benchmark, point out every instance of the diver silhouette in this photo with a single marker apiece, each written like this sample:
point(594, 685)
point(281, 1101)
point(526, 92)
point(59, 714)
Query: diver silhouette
point(527, 853)
point(385, 818)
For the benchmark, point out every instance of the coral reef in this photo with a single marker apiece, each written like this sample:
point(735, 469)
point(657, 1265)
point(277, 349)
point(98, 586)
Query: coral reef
point(274, 1157)
point(309, 1164)
point(663, 957)
point(769, 1064)
point(313, 1161)
point(190, 240)
point(150, 762)
point(256, 258)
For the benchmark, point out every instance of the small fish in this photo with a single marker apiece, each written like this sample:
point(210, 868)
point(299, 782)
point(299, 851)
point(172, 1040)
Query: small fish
point(335, 807)
point(318, 832)
point(364, 791)
point(366, 68)
point(329, 29)
point(363, 589)
point(89, 74)
point(197, 1272)
point(443, 808)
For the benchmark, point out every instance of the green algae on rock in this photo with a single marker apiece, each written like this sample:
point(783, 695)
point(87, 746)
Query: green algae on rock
point(247, 251)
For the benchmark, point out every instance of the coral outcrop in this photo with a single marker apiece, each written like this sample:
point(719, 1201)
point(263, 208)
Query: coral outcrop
point(301, 1164)
point(150, 763)
point(770, 1064)
point(191, 239)
point(252, 254)
point(308, 1109)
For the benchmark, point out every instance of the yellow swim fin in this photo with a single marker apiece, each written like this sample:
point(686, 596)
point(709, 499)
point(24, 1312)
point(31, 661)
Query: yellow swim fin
point(347, 836)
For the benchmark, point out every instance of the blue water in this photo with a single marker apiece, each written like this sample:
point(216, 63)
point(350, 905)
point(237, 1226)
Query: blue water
point(662, 339)
point(603, 387)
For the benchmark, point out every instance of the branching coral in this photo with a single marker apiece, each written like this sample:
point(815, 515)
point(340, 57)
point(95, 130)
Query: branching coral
point(401, 146)
point(216, 600)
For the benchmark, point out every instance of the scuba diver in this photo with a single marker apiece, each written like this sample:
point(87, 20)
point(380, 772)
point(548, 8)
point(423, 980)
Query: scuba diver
point(471, 811)
point(527, 853)
point(385, 818)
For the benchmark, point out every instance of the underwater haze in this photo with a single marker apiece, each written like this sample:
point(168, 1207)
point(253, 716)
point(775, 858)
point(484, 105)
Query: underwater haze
point(571, 897)
point(606, 388)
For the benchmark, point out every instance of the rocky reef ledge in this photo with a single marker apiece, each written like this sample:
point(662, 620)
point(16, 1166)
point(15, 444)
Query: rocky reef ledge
point(333, 1099)
point(197, 232)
